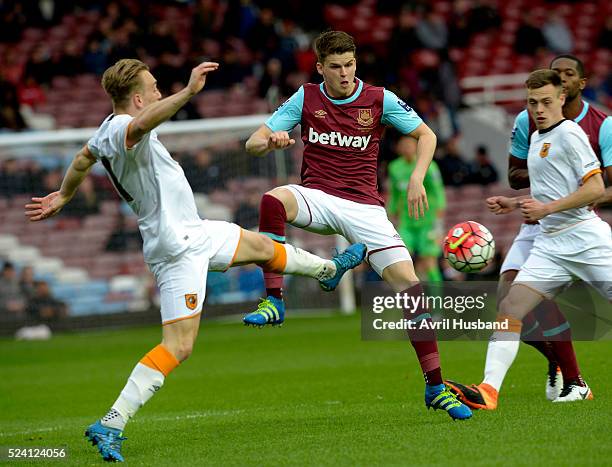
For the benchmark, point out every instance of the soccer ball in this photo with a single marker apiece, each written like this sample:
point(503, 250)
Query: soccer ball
point(469, 246)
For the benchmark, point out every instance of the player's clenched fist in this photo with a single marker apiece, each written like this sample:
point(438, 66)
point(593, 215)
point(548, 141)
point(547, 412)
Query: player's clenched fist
point(500, 204)
point(198, 76)
point(280, 140)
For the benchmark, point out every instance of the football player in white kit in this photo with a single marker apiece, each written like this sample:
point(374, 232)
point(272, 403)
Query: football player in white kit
point(178, 246)
point(575, 243)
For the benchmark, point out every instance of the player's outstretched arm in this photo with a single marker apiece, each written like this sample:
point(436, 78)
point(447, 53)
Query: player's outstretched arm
point(518, 176)
point(52, 204)
point(426, 146)
point(158, 112)
point(264, 140)
point(592, 189)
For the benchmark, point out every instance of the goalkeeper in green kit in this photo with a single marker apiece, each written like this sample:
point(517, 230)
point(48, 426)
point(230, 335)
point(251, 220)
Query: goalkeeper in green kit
point(422, 236)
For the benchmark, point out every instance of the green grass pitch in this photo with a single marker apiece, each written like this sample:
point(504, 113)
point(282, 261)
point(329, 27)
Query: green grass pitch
point(309, 393)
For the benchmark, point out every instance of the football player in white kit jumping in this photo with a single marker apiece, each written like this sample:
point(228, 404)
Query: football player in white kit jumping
point(178, 246)
point(575, 243)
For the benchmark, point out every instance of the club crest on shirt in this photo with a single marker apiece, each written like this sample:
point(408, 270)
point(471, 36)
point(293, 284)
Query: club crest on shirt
point(191, 300)
point(320, 113)
point(365, 117)
point(544, 150)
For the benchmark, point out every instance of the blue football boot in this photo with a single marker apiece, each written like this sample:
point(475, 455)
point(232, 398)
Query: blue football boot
point(348, 259)
point(271, 310)
point(107, 439)
point(439, 397)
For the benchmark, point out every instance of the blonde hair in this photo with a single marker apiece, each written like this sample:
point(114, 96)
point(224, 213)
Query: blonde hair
point(122, 79)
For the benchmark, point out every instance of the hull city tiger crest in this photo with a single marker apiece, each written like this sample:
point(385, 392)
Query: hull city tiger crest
point(365, 117)
point(544, 150)
point(191, 300)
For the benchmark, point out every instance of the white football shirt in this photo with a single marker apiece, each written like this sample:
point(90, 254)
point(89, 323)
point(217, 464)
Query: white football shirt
point(560, 160)
point(154, 186)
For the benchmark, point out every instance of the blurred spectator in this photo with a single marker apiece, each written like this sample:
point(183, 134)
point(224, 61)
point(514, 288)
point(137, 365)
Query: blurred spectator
point(455, 171)
point(13, 21)
point(189, 110)
point(27, 283)
point(95, 58)
point(122, 46)
point(431, 30)
point(124, 237)
point(161, 40)
point(460, 27)
point(483, 16)
point(43, 306)
point(169, 68)
point(558, 37)
point(202, 172)
point(262, 39)
point(529, 37)
point(70, 62)
point(272, 84)
point(39, 66)
point(31, 93)
point(403, 38)
point(12, 178)
point(247, 212)
point(482, 169)
point(605, 38)
point(10, 115)
point(12, 299)
point(85, 202)
point(208, 19)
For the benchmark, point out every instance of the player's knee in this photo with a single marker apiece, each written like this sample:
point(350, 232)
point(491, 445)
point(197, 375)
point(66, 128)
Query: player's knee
point(184, 351)
point(180, 349)
point(508, 307)
point(283, 195)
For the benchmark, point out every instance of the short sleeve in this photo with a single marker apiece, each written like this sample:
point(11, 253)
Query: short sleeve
point(605, 141)
point(398, 114)
point(519, 140)
point(109, 140)
point(289, 114)
point(585, 162)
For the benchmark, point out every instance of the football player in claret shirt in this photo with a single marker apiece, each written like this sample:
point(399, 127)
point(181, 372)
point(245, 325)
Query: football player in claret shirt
point(545, 328)
point(342, 120)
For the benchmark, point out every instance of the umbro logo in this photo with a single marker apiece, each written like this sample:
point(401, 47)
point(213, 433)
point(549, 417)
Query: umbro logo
point(320, 113)
point(584, 393)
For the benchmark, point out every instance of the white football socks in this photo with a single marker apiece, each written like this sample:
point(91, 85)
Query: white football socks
point(304, 263)
point(503, 347)
point(142, 384)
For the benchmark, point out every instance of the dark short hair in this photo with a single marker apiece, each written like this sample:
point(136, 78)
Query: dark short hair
point(333, 42)
point(579, 64)
point(540, 78)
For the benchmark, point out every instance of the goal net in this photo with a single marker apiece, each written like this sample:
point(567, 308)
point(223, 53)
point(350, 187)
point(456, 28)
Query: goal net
point(89, 256)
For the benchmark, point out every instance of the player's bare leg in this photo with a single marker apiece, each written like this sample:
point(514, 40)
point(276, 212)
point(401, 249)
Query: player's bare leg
point(503, 347)
point(559, 352)
point(402, 278)
point(282, 258)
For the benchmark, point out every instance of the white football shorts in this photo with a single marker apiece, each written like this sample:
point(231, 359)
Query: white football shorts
point(359, 223)
point(521, 247)
point(582, 251)
point(182, 280)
